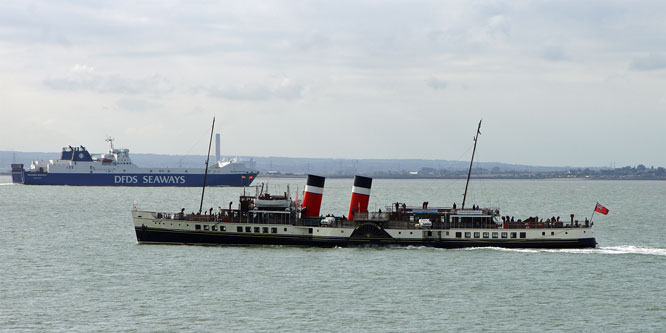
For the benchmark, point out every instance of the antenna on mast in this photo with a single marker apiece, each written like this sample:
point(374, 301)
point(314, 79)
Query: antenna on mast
point(469, 173)
point(110, 140)
point(210, 142)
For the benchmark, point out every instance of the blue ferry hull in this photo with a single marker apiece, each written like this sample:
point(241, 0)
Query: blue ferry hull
point(138, 180)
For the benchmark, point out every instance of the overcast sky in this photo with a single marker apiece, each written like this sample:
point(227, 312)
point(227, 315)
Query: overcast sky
point(580, 83)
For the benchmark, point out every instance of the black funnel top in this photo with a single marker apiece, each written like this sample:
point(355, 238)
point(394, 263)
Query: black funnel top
point(364, 182)
point(317, 181)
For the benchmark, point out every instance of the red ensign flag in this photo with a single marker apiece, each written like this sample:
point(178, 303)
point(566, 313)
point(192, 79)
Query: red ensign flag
point(601, 209)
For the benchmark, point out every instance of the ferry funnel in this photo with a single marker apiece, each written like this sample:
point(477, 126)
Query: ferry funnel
point(360, 195)
point(314, 190)
point(217, 147)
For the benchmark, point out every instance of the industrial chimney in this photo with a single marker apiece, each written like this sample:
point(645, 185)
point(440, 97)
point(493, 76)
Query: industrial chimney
point(360, 195)
point(314, 190)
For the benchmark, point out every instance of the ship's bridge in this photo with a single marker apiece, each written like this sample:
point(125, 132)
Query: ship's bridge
point(119, 156)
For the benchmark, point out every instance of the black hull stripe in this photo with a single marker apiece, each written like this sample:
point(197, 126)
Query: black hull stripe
point(149, 236)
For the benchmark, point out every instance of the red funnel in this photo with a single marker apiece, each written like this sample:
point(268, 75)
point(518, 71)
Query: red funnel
point(314, 190)
point(360, 195)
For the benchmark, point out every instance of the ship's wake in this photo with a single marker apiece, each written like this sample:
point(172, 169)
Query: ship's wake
point(619, 249)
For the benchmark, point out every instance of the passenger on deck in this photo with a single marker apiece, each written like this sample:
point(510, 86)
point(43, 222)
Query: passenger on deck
point(454, 205)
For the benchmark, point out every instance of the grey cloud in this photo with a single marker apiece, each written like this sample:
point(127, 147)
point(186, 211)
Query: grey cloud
point(649, 63)
point(436, 83)
point(259, 92)
point(85, 81)
point(554, 53)
point(137, 105)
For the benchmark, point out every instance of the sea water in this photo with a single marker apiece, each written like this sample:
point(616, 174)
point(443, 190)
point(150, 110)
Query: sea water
point(69, 261)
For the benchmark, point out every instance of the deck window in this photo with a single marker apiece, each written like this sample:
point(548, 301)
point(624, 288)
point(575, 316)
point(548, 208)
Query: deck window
point(264, 230)
point(257, 229)
point(239, 229)
point(248, 229)
point(477, 235)
point(513, 235)
point(552, 233)
point(274, 230)
point(197, 227)
point(223, 228)
point(504, 235)
point(214, 228)
point(458, 234)
point(206, 227)
point(495, 235)
point(468, 235)
point(429, 233)
point(523, 235)
point(285, 229)
point(486, 235)
point(543, 233)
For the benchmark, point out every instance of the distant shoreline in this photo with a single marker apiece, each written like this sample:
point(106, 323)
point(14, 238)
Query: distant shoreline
point(461, 178)
point(486, 177)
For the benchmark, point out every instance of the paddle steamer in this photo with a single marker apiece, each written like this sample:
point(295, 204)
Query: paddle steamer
point(280, 220)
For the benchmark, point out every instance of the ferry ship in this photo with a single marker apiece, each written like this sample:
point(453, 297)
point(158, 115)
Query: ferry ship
point(279, 220)
point(78, 167)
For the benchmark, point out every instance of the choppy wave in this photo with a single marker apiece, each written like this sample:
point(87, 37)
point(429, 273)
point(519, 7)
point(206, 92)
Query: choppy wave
point(620, 249)
point(1, 184)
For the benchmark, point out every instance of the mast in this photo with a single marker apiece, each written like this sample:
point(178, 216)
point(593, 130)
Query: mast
point(207, 158)
point(110, 140)
point(469, 173)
